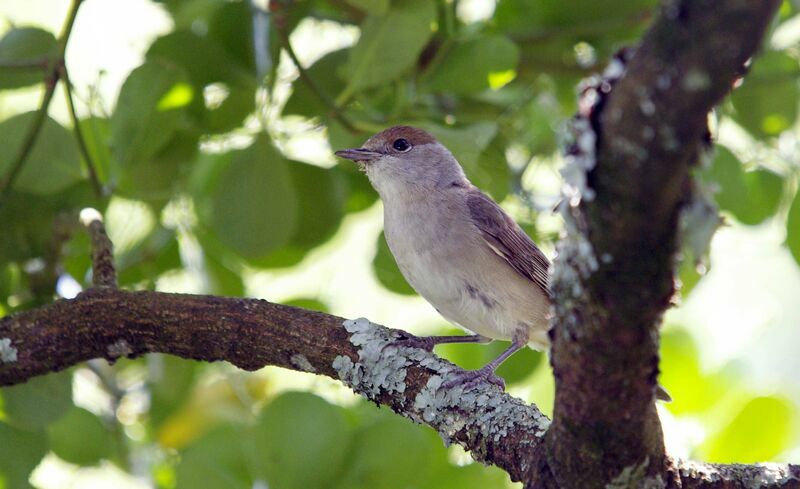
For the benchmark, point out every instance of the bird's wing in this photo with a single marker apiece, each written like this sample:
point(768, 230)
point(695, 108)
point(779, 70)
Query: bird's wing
point(508, 240)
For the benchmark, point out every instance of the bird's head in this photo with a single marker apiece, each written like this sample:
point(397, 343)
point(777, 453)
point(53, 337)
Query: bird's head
point(403, 159)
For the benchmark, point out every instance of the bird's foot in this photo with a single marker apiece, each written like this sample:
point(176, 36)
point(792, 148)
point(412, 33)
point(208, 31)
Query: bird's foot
point(471, 378)
point(410, 341)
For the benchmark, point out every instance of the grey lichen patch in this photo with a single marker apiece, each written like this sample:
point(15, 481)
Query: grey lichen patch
point(699, 471)
point(767, 475)
point(300, 362)
point(699, 220)
point(481, 409)
point(118, 349)
point(8, 354)
point(380, 366)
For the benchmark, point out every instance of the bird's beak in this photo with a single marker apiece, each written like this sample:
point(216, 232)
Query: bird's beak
point(358, 154)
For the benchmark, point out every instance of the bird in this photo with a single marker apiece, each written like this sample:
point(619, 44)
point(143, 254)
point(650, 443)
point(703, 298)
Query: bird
point(457, 247)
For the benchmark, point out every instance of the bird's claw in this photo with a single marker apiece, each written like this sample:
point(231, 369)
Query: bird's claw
point(471, 378)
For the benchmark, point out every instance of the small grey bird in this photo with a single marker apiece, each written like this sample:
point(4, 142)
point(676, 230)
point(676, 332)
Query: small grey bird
point(456, 247)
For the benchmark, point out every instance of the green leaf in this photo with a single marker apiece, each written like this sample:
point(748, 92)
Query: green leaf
point(325, 73)
point(758, 433)
point(360, 194)
point(171, 381)
point(692, 390)
point(223, 278)
point(39, 401)
point(158, 178)
point(525, 17)
point(751, 196)
point(382, 457)
point(149, 258)
point(308, 303)
point(79, 437)
point(321, 208)
point(472, 476)
point(207, 63)
point(386, 270)
point(254, 204)
point(149, 110)
point(476, 65)
point(218, 460)
point(766, 103)
point(26, 44)
point(793, 228)
point(297, 431)
point(52, 165)
point(389, 44)
point(20, 453)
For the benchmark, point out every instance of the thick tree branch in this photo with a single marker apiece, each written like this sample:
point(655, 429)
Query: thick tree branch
point(639, 131)
point(109, 323)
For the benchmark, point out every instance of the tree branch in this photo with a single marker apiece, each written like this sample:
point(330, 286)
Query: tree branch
point(639, 131)
point(249, 333)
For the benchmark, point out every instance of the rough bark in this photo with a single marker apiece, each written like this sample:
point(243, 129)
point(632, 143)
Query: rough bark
point(612, 282)
point(614, 273)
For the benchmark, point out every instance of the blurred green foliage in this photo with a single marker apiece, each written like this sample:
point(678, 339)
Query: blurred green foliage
point(199, 132)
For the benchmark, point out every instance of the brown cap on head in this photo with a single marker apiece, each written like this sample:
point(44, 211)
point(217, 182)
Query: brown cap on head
point(413, 135)
point(386, 142)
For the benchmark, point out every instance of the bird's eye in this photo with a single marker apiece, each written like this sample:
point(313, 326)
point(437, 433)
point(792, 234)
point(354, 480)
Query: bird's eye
point(401, 145)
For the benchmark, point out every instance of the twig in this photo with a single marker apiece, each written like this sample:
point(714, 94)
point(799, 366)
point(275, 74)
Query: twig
point(25, 64)
point(103, 272)
point(334, 109)
point(98, 187)
point(52, 74)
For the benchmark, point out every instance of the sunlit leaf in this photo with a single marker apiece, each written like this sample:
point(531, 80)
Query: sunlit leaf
point(139, 129)
point(692, 389)
point(80, 437)
point(52, 165)
point(758, 433)
point(25, 45)
point(296, 431)
point(793, 228)
point(471, 66)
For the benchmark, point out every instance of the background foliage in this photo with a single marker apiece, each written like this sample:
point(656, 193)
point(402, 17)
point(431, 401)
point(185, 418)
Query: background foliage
point(210, 156)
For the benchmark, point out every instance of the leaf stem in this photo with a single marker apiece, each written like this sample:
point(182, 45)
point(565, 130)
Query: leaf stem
point(52, 74)
point(335, 110)
point(76, 128)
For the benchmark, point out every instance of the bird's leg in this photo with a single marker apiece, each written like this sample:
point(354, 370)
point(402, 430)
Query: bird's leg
point(486, 373)
point(428, 342)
